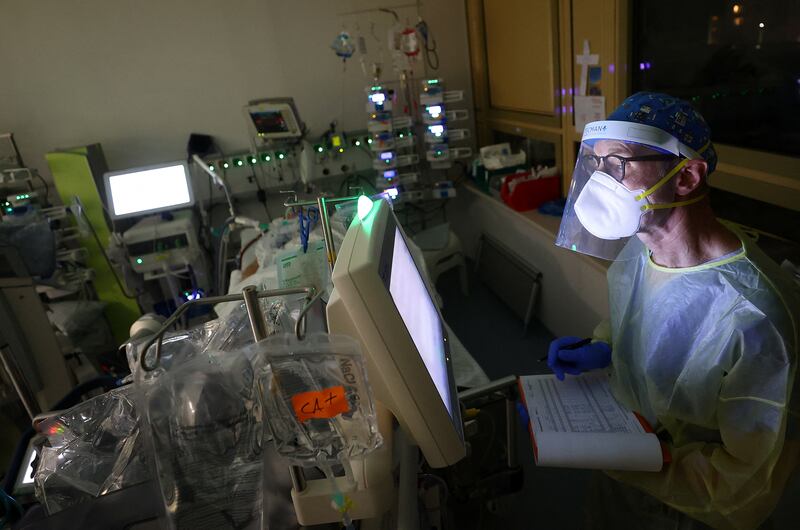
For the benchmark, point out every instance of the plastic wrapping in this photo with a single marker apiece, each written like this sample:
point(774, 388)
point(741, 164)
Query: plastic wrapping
point(318, 401)
point(224, 334)
point(204, 422)
point(92, 449)
point(304, 269)
point(35, 243)
point(75, 318)
point(280, 232)
point(284, 234)
point(202, 408)
point(174, 346)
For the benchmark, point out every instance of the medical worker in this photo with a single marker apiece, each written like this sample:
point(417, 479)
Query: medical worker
point(703, 334)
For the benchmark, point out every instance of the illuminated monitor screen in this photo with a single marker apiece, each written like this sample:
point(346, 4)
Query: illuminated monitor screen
point(27, 476)
point(23, 484)
point(269, 122)
point(410, 296)
point(147, 190)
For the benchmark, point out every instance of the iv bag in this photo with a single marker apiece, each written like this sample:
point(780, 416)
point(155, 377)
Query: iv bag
point(318, 402)
point(343, 46)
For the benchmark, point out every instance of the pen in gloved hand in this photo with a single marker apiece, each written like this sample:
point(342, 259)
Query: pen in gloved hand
point(573, 346)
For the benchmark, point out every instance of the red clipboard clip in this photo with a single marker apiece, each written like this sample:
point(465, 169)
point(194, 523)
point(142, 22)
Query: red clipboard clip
point(665, 454)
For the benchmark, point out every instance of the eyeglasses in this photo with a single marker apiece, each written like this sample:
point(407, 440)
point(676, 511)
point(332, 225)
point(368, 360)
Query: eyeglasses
point(614, 165)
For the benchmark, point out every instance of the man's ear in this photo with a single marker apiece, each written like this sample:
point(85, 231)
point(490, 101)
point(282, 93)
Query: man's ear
point(691, 177)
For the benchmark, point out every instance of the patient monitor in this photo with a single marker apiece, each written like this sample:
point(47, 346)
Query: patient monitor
point(380, 298)
point(146, 190)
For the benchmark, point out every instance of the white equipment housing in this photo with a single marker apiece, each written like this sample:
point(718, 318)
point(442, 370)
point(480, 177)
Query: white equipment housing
point(154, 244)
point(380, 298)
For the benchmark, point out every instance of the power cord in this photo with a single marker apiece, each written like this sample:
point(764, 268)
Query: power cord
point(429, 45)
point(46, 189)
point(9, 503)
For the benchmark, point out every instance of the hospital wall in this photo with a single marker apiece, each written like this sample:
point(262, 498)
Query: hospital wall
point(139, 77)
point(573, 294)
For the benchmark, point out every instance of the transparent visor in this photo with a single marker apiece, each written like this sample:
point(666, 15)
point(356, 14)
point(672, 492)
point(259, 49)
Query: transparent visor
point(614, 194)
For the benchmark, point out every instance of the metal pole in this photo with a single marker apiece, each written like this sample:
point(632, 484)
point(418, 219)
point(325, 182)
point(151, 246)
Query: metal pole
point(337, 200)
point(489, 388)
point(505, 385)
point(326, 231)
point(20, 385)
point(511, 433)
point(157, 338)
point(259, 326)
point(257, 323)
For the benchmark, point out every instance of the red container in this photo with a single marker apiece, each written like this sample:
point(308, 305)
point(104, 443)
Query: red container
point(531, 194)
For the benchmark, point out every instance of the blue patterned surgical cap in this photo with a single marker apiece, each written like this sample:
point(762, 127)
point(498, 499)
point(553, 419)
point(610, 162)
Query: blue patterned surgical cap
point(675, 116)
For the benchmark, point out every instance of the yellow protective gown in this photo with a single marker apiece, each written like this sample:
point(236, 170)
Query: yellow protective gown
point(708, 355)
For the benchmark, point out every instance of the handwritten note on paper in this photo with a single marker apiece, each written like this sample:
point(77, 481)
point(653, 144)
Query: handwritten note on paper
point(578, 423)
point(321, 404)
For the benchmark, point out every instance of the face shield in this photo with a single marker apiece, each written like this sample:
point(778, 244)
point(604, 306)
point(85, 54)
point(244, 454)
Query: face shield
point(622, 183)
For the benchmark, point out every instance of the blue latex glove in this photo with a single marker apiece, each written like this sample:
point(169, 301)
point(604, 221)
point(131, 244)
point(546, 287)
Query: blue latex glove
point(593, 355)
point(524, 418)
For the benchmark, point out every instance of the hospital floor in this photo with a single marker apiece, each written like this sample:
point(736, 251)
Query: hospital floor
point(550, 498)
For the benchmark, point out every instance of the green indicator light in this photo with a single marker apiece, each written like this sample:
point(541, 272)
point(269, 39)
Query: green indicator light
point(237, 162)
point(319, 148)
point(363, 207)
point(9, 210)
point(265, 157)
point(139, 261)
point(357, 143)
point(281, 156)
point(369, 140)
point(433, 81)
point(211, 167)
point(253, 160)
point(226, 165)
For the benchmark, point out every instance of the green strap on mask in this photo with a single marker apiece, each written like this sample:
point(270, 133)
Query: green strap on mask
point(673, 204)
point(666, 178)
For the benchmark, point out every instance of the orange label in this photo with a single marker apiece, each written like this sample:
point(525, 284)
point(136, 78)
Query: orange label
point(325, 403)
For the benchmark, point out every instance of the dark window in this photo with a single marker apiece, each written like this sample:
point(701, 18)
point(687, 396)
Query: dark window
point(737, 62)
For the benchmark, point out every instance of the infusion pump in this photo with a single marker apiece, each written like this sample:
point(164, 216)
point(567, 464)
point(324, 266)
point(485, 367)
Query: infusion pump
point(154, 244)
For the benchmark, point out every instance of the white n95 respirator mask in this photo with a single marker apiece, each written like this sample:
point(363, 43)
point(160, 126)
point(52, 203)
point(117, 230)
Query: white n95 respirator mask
point(609, 210)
